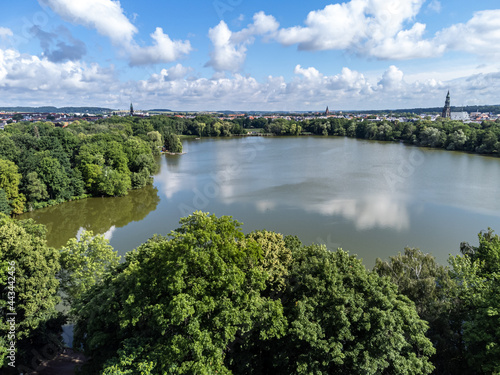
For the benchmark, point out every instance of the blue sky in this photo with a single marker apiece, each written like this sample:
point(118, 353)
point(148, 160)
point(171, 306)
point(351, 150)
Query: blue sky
point(249, 55)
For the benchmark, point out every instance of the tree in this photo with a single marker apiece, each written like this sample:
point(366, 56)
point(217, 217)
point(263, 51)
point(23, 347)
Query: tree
point(345, 320)
point(54, 177)
point(156, 141)
point(457, 140)
point(114, 183)
point(34, 189)
point(77, 185)
point(173, 143)
point(178, 304)
point(34, 266)
point(8, 149)
point(92, 174)
point(5, 207)
point(9, 182)
point(116, 157)
point(199, 127)
point(84, 262)
point(140, 179)
point(276, 258)
point(430, 286)
point(477, 272)
point(432, 137)
point(134, 147)
point(145, 162)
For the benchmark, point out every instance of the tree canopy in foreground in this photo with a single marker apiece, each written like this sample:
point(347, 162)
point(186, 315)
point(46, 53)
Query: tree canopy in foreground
point(209, 299)
point(199, 301)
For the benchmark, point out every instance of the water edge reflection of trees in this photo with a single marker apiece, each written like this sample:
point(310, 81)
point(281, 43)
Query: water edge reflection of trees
point(94, 214)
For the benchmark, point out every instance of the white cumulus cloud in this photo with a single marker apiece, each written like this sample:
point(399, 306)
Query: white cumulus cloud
point(34, 80)
point(367, 27)
point(229, 48)
point(480, 35)
point(164, 49)
point(392, 78)
point(108, 18)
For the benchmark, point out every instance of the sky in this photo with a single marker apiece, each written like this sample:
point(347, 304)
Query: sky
point(247, 55)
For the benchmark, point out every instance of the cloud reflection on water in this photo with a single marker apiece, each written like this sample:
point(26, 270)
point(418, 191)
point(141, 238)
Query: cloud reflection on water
point(376, 211)
point(369, 212)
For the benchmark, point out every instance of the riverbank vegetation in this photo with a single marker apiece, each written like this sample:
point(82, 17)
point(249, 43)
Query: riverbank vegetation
point(42, 165)
point(209, 299)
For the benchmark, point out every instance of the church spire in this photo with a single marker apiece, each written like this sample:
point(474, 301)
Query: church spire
point(447, 109)
point(327, 112)
point(131, 109)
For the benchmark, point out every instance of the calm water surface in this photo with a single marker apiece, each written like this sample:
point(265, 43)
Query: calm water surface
point(370, 198)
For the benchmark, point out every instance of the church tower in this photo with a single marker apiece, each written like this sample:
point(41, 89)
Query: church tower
point(131, 109)
point(327, 112)
point(447, 109)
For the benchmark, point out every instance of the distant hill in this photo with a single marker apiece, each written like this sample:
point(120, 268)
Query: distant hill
point(57, 110)
point(159, 110)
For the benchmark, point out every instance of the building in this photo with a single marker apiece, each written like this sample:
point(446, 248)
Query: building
point(447, 109)
point(131, 109)
point(460, 116)
point(327, 112)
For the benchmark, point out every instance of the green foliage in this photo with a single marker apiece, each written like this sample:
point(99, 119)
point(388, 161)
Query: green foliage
point(54, 165)
point(156, 141)
point(9, 182)
point(54, 177)
point(292, 242)
point(209, 299)
point(34, 189)
point(451, 135)
point(34, 266)
point(84, 263)
point(5, 207)
point(113, 182)
point(430, 287)
point(478, 273)
point(488, 252)
point(8, 149)
point(173, 143)
point(276, 258)
point(177, 305)
point(284, 127)
point(345, 320)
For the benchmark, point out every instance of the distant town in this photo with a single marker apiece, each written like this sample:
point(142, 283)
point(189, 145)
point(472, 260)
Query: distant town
point(64, 116)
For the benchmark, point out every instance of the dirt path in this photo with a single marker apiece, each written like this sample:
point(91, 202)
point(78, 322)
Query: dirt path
point(63, 364)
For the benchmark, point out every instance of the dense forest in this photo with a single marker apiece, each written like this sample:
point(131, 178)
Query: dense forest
point(41, 164)
point(481, 138)
point(209, 299)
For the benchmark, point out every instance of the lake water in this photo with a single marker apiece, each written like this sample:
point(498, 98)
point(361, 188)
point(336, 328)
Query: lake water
point(370, 198)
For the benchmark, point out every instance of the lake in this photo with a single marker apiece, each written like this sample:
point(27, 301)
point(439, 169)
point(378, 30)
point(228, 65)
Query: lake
point(370, 198)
